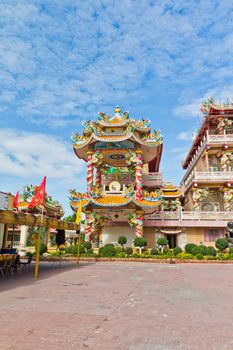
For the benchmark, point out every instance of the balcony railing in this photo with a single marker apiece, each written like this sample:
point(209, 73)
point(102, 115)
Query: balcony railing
point(148, 179)
point(207, 176)
point(192, 216)
point(208, 139)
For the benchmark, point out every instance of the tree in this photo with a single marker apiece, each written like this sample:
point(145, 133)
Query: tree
point(122, 240)
point(162, 242)
point(140, 242)
point(221, 244)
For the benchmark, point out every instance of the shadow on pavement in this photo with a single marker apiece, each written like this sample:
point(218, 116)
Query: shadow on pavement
point(46, 270)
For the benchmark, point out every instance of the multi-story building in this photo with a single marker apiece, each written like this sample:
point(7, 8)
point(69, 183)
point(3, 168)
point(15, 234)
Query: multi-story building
point(126, 193)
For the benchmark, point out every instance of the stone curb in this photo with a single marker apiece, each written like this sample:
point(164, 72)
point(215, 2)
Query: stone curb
point(143, 260)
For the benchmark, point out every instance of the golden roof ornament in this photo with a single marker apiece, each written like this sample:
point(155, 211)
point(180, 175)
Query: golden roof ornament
point(117, 110)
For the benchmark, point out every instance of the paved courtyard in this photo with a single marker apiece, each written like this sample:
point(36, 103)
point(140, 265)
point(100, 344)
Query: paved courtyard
point(140, 306)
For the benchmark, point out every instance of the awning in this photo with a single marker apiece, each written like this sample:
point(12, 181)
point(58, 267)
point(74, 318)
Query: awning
point(171, 232)
point(11, 217)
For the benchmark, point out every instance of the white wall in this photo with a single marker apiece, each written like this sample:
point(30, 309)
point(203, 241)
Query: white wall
point(111, 234)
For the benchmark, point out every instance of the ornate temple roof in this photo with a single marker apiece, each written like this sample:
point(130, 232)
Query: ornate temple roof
point(111, 201)
point(52, 207)
point(171, 191)
point(210, 107)
point(118, 132)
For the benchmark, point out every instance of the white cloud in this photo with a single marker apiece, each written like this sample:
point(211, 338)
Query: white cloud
point(59, 58)
point(185, 135)
point(27, 155)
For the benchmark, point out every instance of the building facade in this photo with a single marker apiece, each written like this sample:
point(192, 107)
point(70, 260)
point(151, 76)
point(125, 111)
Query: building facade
point(127, 195)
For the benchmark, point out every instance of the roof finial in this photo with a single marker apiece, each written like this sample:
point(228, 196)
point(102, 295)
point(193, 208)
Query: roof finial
point(117, 110)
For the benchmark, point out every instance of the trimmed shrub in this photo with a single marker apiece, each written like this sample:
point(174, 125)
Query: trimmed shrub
point(109, 245)
point(75, 249)
point(169, 253)
point(118, 250)
point(89, 252)
point(107, 251)
point(122, 240)
point(188, 247)
point(87, 245)
point(185, 256)
point(43, 248)
point(177, 250)
point(199, 256)
point(162, 241)
point(154, 251)
point(221, 244)
point(62, 247)
point(121, 255)
point(68, 250)
point(129, 251)
point(136, 255)
point(231, 251)
point(199, 249)
point(211, 251)
point(140, 242)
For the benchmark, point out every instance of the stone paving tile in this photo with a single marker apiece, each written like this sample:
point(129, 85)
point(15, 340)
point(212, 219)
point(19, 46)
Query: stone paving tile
point(119, 306)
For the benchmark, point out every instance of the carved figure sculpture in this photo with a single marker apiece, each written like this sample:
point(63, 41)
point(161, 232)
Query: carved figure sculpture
point(131, 157)
point(129, 191)
point(228, 199)
point(199, 194)
point(97, 158)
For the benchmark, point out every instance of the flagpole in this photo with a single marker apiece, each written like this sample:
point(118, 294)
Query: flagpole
point(38, 245)
point(79, 235)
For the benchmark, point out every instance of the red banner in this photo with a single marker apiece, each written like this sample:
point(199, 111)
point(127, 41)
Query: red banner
point(15, 202)
point(39, 195)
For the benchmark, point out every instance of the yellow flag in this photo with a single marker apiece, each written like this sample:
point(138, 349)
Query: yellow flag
point(79, 213)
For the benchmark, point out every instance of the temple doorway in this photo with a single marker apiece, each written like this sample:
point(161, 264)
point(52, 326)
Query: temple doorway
point(171, 241)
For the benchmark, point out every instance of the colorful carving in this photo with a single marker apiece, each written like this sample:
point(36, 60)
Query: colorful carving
point(139, 175)
point(205, 107)
point(94, 221)
point(171, 204)
point(228, 199)
point(98, 177)
point(95, 191)
point(131, 157)
point(28, 193)
point(199, 194)
point(129, 192)
point(76, 196)
point(89, 172)
point(77, 138)
point(136, 220)
point(226, 160)
point(224, 124)
point(153, 137)
point(103, 117)
point(143, 123)
point(153, 196)
point(97, 158)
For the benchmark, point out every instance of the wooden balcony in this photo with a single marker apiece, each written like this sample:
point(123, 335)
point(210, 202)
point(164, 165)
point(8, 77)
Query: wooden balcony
point(189, 219)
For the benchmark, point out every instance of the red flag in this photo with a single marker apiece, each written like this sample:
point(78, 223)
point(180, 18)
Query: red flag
point(39, 195)
point(15, 201)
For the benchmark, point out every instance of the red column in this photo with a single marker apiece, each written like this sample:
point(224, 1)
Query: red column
point(89, 172)
point(98, 177)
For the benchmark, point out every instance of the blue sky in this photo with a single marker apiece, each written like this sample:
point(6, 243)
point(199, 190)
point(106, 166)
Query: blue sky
point(62, 62)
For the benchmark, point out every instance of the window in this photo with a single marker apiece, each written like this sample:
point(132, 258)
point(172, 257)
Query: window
point(211, 235)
